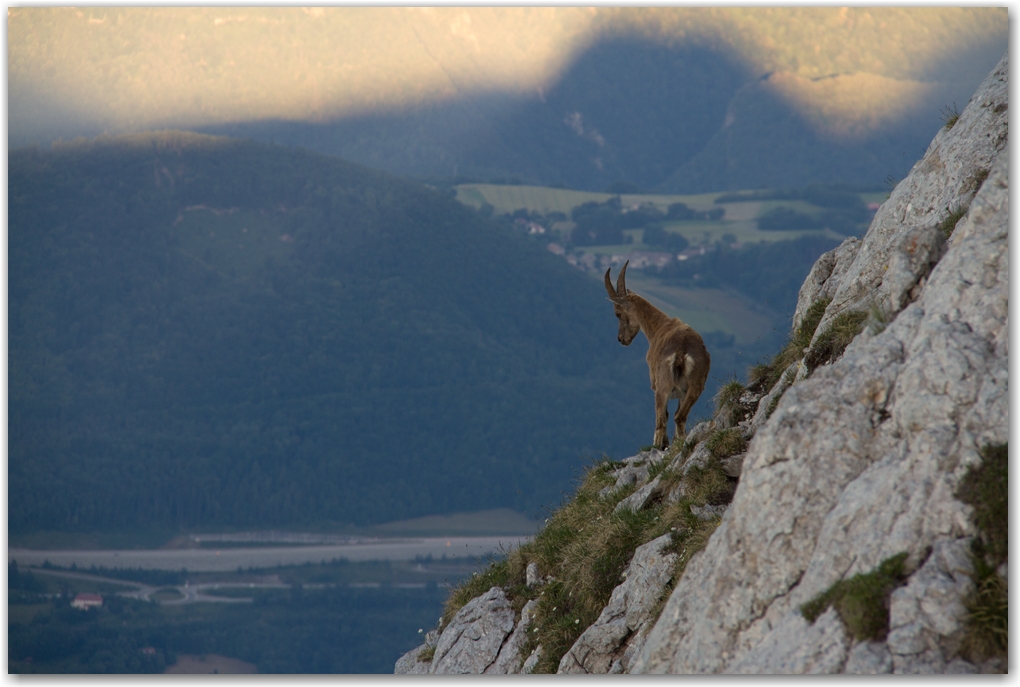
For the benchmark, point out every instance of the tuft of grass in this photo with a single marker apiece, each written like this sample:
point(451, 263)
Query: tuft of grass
point(831, 343)
point(950, 116)
point(878, 319)
point(496, 575)
point(687, 449)
point(709, 486)
point(806, 331)
point(890, 184)
point(862, 601)
point(563, 526)
point(584, 547)
point(726, 442)
point(758, 375)
point(729, 393)
point(979, 179)
point(774, 403)
point(949, 222)
point(986, 489)
point(663, 467)
point(987, 625)
point(688, 533)
point(727, 400)
point(766, 375)
point(427, 654)
point(587, 565)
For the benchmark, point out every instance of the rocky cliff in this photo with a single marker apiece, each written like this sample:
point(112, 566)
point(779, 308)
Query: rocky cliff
point(845, 512)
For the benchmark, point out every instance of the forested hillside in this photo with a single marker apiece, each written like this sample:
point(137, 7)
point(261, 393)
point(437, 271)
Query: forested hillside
point(206, 332)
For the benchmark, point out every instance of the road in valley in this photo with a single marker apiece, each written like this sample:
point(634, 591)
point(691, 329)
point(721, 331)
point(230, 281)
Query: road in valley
point(232, 558)
point(189, 593)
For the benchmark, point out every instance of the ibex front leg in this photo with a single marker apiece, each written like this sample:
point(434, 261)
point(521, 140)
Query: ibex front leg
point(661, 439)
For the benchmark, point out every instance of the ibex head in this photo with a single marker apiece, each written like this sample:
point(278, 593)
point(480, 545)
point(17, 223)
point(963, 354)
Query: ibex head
point(622, 307)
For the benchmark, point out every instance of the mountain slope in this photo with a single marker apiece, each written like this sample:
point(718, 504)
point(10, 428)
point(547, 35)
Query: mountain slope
point(207, 332)
point(628, 109)
point(763, 138)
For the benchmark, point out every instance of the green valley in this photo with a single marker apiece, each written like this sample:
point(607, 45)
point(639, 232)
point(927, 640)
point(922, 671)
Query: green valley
point(208, 333)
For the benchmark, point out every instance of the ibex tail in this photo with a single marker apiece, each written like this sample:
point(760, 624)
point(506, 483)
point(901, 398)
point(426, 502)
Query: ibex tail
point(683, 365)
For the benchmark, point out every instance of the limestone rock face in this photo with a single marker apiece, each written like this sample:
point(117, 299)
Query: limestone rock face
point(509, 660)
point(945, 179)
point(615, 637)
point(635, 469)
point(824, 279)
point(483, 637)
point(860, 460)
point(474, 637)
point(410, 664)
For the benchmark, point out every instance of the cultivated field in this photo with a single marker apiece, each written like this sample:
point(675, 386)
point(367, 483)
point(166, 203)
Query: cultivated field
point(545, 200)
point(740, 220)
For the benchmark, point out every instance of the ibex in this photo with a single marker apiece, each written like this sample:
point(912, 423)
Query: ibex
point(678, 361)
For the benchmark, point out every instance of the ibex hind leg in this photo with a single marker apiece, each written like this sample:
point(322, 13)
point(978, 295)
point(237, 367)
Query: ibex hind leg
point(694, 389)
point(661, 438)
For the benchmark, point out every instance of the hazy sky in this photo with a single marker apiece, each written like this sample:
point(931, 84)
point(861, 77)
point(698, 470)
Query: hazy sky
point(82, 71)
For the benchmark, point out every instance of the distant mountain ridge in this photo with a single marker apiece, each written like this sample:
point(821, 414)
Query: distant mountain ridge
point(668, 117)
point(583, 96)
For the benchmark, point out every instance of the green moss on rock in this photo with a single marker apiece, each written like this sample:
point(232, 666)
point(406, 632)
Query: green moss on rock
point(862, 602)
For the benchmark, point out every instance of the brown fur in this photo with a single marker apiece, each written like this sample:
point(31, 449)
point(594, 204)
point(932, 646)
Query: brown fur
point(678, 361)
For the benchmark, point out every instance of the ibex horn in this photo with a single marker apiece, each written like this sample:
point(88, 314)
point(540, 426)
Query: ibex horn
point(609, 286)
point(621, 281)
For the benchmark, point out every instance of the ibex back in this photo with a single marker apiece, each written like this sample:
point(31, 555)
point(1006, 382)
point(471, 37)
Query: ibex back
point(678, 361)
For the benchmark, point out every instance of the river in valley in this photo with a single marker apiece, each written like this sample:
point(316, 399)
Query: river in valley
point(211, 559)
